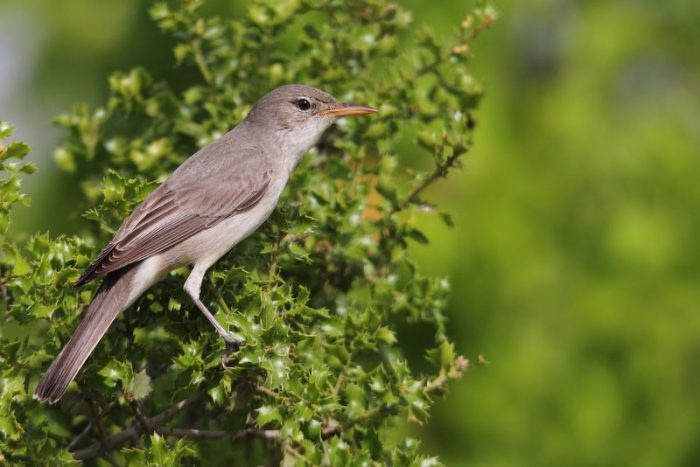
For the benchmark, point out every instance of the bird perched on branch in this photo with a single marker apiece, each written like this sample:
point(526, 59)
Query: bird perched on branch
point(215, 199)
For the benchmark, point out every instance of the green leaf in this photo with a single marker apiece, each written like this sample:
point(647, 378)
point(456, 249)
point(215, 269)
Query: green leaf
point(21, 266)
point(386, 335)
point(17, 150)
point(299, 252)
point(115, 372)
point(317, 292)
point(140, 386)
point(356, 404)
point(447, 219)
point(268, 414)
point(6, 129)
point(418, 236)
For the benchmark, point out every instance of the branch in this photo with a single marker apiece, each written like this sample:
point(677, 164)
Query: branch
point(133, 431)
point(334, 430)
point(218, 434)
point(142, 424)
point(138, 414)
point(96, 416)
point(440, 171)
point(459, 366)
point(202, 62)
point(80, 437)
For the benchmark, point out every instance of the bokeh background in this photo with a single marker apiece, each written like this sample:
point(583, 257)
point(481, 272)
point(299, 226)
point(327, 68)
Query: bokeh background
point(574, 261)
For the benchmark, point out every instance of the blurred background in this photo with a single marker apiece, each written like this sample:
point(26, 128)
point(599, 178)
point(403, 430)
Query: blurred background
point(574, 261)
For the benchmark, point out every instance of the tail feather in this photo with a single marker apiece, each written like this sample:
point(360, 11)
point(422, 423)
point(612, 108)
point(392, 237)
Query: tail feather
point(111, 298)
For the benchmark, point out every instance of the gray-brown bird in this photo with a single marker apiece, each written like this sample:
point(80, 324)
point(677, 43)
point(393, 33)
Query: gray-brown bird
point(215, 199)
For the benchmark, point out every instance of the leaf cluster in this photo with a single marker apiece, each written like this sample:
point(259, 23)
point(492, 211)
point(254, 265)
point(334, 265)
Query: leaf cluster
point(322, 295)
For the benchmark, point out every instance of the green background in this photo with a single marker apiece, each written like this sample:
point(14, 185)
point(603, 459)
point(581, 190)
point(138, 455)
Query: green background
point(574, 260)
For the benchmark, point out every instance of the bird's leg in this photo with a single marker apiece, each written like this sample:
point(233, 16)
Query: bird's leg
point(193, 286)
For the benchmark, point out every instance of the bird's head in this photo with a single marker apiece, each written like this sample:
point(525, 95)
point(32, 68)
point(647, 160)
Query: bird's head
point(297, 115)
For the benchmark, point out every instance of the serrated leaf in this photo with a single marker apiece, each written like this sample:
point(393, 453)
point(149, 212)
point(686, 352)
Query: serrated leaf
point(15, 150)
point(299, 252)
point(6, 129)
point(386, 335)
point(140, 386)
point(268, 414)
point(114, 372)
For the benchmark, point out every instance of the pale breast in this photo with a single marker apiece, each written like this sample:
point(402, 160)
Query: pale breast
point(207, 246)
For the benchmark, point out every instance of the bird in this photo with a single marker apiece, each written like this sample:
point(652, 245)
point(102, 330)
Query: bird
point(216, 198)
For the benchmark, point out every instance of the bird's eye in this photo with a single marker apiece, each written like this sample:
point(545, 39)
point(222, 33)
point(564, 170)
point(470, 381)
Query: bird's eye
point(303, 104)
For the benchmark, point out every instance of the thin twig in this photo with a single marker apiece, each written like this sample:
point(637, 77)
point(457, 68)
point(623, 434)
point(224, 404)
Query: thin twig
point(202, 63)
point(127, 434)
point(338, 382)
point(334, 429)
point(218, 434)
point(460, 365)
point(80, 437)
point(223, 305)
point(97, 420)
point(220, 300)
point(267, 391)
point(137, 441)
point(428, 68)
point(138, 414)
point(331, 431)
point(440, 171)
point(295, 453)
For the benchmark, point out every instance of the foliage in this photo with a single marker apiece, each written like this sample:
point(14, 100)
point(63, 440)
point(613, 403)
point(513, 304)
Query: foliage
point(322, 294)
point(579, 271)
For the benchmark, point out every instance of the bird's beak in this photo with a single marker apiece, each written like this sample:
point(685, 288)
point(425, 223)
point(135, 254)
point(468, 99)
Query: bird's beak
point(346, 110)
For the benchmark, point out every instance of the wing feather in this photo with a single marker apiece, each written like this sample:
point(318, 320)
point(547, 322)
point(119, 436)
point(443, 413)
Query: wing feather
point(182, 207)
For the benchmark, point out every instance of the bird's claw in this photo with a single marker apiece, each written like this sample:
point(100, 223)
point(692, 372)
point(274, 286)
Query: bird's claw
point(232, 346)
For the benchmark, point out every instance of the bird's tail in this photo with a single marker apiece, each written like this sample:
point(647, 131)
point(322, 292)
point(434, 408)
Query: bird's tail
point(114, 295)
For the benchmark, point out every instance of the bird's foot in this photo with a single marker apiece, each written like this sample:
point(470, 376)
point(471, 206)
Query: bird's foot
point(232, 346)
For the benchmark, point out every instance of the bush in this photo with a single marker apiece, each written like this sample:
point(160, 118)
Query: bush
point(325, 294)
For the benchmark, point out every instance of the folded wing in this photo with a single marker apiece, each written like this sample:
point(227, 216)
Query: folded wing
point(183, 206)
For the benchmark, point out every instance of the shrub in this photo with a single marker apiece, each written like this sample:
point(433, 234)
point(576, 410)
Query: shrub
point(325, 294)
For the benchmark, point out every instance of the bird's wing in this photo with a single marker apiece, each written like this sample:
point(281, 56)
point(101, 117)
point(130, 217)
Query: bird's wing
point(182, 207)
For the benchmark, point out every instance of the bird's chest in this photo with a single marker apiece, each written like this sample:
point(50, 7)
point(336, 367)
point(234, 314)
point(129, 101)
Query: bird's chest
point(211, 244)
